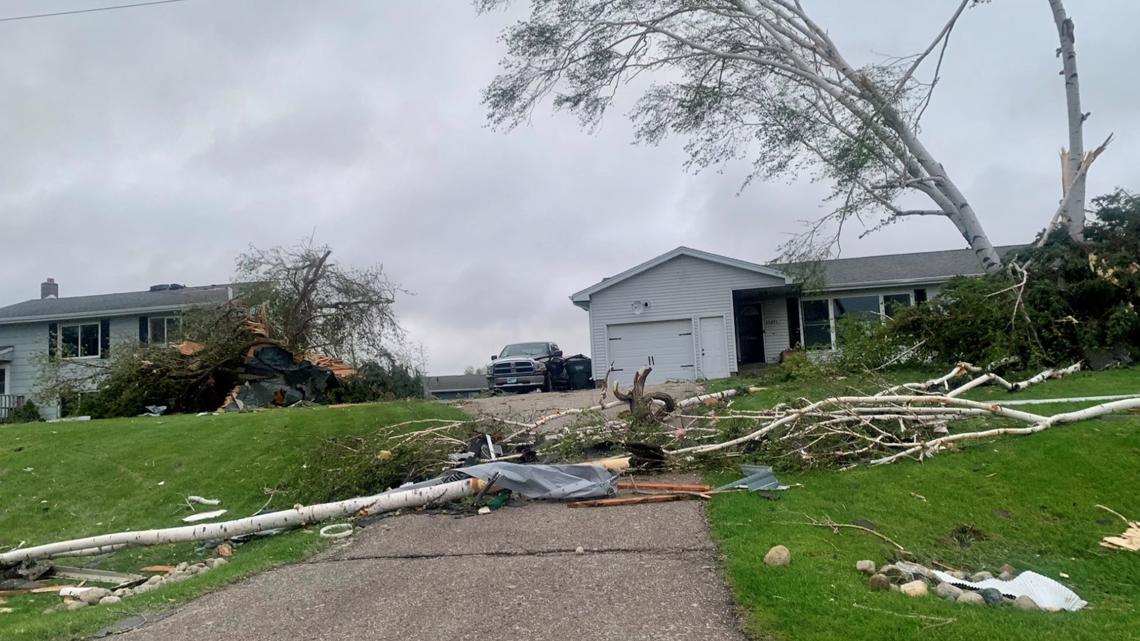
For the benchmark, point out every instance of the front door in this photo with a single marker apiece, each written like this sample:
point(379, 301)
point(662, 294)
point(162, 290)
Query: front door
point(714, 348)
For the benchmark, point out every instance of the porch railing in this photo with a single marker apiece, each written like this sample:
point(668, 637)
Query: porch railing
point(8, 403)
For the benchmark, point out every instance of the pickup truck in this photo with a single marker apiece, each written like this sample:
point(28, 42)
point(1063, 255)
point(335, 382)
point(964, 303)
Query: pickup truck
point(523, 367)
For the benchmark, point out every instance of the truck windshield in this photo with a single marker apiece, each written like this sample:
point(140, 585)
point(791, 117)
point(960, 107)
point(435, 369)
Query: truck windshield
point(525, 349)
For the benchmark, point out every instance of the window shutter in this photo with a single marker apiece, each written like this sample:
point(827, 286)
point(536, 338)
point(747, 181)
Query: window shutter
point(144, 330)
point(53, 339)
point(104, 338)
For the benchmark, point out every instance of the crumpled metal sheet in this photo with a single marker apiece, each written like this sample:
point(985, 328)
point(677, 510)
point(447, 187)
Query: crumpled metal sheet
point(756, 477)
point(546, 481)
point(1045, 592)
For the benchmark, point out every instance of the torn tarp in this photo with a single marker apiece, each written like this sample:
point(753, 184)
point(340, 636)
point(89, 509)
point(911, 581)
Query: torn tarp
point(756, 477)
point(545, 481)
point(1045, 592)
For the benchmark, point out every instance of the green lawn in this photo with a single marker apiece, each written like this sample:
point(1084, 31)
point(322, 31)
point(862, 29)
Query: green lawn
point(1032, 499)
point(65, 480)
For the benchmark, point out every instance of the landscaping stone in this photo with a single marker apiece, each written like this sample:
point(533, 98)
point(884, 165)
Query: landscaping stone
point(969, 597)
point(958, 574)
point(153, 580)
point(93, 595)
point(1005, 576)
point(879, 583)
point(895, 574)
point(914, 589)
point(948, 591)
point(980, 576)
point(895, 587)
point(778, 556)
point(109, 600)
point(181, 567)
point(75, 605)
point(866, 567)
point(992, 596)
point(1025, 603)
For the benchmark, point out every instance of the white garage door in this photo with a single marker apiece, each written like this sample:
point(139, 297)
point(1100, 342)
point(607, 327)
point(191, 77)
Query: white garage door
point(667, 346)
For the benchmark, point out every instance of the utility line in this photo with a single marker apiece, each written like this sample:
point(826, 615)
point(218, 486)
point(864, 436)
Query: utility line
point(93, 10)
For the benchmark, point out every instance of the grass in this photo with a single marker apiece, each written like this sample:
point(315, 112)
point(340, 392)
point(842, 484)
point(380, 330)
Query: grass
point(1031, 501)
point(66, 480)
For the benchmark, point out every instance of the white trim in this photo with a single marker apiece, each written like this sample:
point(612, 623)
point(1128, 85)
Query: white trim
point(582, 298)
point(79, 336)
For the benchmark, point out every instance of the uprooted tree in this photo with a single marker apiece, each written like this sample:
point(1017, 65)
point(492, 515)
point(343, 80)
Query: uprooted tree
point(315, 304)
point(310, 310)
point(760, 79)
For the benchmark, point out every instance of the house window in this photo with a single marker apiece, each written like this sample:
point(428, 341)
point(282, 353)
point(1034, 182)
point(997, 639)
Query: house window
point(894, 302)
point(3, 380)
point(79, 341)
point(820, 316)
point(817, 324)
point(164, 330)
point(859, 306)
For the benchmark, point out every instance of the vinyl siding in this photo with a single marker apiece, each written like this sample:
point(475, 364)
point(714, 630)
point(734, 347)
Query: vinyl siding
point(681, 288)
point(776, 336)
point(30, 341)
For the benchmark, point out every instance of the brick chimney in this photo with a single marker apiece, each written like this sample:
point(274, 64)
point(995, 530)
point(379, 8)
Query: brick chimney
point(49, 289)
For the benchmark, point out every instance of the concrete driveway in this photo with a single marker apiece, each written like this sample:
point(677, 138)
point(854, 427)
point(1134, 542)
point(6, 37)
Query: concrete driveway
point(532, 570)
point(644, 572)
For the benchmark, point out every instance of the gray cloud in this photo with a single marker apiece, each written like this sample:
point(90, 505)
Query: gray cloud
point(154, 144)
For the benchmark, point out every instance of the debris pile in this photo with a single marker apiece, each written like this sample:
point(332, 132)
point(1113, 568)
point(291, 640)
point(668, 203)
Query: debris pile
point(271, 377)
point(1026, 590)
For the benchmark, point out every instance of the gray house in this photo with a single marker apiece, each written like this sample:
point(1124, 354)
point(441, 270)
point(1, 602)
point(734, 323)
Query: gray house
point(80, 330)
point(693, 315)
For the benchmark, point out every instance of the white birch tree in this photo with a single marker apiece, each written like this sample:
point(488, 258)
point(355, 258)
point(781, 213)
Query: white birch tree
point(757, 80)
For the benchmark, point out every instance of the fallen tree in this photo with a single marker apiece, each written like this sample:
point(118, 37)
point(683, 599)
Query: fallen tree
point(295, 517)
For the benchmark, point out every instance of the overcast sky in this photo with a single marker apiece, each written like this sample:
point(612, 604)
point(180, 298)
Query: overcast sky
point(152, 145)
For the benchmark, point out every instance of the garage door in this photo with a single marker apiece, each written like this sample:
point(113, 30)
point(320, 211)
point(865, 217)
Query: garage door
point(665, 345)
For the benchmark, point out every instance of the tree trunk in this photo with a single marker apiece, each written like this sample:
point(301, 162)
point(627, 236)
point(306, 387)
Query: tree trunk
point(1074, 212)
point(295, 517)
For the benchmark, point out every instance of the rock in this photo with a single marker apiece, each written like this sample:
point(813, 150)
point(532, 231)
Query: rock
point(126, 593)
point(895, 587)
point(895, 574)
point(145, 587)
point(1025, 603)
point(980, 576)
point(991, 596)
point(109, 600)
point(948, 591)
point(778, 556)
point(579, 550)
point(177, 578)
point(75, 605)
point(879, 583)
point(198, 568)
point(969, 597)
point(1006, 576)
point(181, 567)
point(958, 574)
point(866, 567)
point(1008, 569)
point(914, 589)
point(153, 580)
point(93, 595)
point(218, 562)
point(226, 550)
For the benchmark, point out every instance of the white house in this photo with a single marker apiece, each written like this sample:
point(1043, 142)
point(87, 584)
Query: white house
point(694, 315)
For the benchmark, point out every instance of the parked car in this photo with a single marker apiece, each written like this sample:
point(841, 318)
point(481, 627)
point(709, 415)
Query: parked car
point(523, 367)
